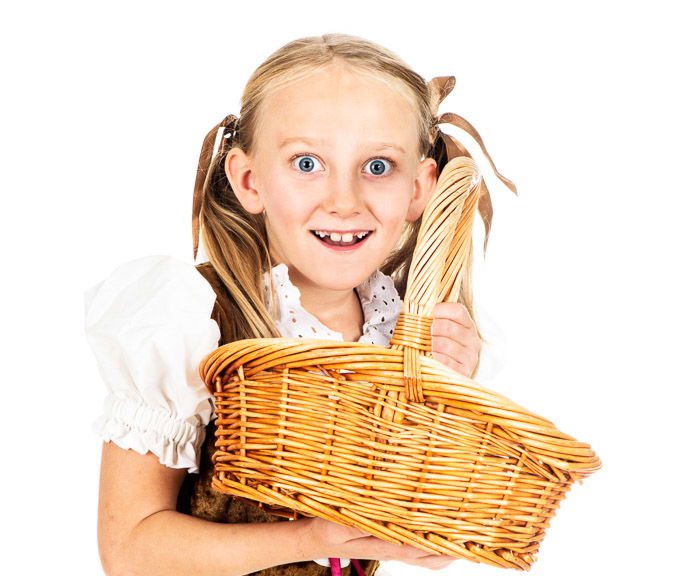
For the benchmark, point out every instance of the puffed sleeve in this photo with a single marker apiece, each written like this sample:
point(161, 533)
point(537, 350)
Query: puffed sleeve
point(149, 326)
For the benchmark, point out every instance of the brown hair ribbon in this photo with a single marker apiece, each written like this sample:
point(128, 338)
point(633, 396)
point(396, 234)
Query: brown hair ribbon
point(447, 147)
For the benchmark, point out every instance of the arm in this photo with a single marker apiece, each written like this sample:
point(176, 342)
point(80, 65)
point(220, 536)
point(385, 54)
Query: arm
point(140, 531)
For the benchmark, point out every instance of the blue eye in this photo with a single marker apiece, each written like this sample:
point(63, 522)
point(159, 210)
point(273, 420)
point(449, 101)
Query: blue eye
point(378, 167)
point(306, 164)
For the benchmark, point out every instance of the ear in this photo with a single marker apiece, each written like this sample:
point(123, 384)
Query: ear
point(240, 175)
point(423, 187)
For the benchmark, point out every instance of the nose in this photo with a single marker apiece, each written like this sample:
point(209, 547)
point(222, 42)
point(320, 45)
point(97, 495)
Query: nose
point(343, 195)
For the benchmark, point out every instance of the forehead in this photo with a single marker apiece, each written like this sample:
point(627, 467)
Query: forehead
point(339, 101)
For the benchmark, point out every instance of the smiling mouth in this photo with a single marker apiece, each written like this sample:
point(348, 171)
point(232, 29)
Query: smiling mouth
point(341, 238)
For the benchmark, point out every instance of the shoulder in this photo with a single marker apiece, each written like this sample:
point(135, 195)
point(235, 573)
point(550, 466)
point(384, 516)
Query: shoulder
point(146, 302)
point(148, 283)
point(153, 272)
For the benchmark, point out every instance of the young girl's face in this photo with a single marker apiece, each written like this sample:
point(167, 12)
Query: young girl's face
point(336, 169)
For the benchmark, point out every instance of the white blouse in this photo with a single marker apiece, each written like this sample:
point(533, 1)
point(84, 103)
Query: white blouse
point(149, 325)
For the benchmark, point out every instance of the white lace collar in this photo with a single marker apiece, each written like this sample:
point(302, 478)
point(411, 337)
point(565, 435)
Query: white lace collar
point(380, 303)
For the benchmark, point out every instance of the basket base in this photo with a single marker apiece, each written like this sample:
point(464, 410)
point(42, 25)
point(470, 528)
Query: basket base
point(277, 503)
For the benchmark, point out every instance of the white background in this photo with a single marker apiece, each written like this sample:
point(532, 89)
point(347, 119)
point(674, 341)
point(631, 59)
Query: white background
point(591, 108)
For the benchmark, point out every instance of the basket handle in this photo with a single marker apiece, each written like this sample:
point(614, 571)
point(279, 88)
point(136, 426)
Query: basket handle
point(439, 260)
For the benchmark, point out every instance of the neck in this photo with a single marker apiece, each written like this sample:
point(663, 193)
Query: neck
point(340, 310)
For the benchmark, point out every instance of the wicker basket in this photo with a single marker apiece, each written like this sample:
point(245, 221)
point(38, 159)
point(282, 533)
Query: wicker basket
point(389, 440)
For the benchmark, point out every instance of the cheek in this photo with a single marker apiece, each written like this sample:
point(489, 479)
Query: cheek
point(393, 204)
point(279, 198)
point(393, 220)
point(287, 210)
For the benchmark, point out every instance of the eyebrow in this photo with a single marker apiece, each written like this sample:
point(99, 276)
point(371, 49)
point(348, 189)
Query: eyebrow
point(301, 140)
point(322, 141)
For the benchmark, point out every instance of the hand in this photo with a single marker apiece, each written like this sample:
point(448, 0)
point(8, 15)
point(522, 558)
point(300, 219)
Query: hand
point(455, 340)
point(330, 540)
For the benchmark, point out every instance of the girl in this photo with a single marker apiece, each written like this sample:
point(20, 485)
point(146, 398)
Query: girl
point(302, 200)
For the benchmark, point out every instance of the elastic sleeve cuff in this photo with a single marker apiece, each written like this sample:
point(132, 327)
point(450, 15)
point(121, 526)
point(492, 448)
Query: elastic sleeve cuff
point(133, 425)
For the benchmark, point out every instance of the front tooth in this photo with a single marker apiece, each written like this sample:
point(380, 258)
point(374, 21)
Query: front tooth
point(335, 237)
point(348, 237)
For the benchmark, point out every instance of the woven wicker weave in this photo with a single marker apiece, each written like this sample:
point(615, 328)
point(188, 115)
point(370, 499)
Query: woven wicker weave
point(390, 440)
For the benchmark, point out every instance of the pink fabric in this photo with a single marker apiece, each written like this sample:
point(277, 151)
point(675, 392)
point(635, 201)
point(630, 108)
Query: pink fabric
point(335, 567)
point(358, 567)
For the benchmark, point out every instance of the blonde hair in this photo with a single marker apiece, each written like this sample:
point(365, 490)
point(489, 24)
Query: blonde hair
point(236, 241)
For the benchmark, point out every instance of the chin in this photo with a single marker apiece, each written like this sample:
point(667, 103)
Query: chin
point(341, 283)
point(342, 279)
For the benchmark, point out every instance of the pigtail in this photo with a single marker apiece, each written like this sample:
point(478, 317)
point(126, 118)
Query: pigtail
point(235, 240)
